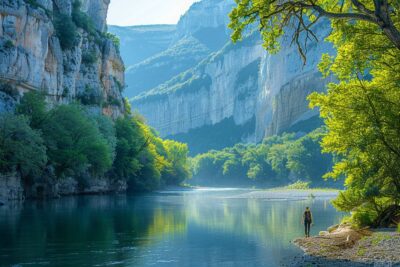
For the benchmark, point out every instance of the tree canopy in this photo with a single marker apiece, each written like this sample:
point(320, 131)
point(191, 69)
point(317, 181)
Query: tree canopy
point(361, 110)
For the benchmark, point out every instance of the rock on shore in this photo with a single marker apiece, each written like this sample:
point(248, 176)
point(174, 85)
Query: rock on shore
point(342, 245)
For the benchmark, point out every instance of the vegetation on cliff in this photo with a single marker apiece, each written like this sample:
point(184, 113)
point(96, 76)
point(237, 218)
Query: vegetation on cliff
point(70, 141)
point(361, 110)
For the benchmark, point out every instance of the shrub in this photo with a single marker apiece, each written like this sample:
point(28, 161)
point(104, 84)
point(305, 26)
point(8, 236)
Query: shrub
point(114, 39)
point(81, 19)
point(8, 45)
point(299, 185)
point(112, 101)
point(89, 97)
point(89, 57)
point(66, 30)
point(9, 90)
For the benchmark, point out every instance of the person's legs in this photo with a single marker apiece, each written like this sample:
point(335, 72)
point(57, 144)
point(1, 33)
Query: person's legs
point(307, 228)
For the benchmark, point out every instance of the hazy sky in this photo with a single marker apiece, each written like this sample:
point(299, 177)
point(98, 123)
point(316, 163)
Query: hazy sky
point(141, 12)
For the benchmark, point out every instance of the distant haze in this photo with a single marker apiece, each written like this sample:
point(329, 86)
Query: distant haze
point(144, 12)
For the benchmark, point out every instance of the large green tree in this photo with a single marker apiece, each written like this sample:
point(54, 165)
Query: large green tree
point(361, 110)
point(22, 149)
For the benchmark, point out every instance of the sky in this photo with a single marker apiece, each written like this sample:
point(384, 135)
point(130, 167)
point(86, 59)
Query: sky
point(143, 12)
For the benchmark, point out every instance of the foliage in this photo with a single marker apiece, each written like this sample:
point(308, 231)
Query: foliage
point(21, 148)
point(81, 19)
point(66, 30)
point(33, 106)
point(78, 143)
point(90, 97)
point(9, 89)
point(299, 185)
point(114, 39)
point(298, 17)
point(89, 57)
point(75, 144)
point(270, 162)
point(8, 44)
point(177, 169)
point(144, 159)
point(362, 110)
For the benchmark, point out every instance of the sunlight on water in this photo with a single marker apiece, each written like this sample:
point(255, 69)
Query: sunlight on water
point(174, 228)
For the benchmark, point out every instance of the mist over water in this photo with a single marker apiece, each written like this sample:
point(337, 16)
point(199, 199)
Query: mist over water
point(170, 228)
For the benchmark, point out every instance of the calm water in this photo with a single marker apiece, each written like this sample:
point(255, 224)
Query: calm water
point(194, 228)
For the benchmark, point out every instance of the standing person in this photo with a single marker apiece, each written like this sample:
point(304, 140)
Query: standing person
point(308, 220)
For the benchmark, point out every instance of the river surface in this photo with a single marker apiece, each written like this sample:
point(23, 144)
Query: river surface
point(208, 227)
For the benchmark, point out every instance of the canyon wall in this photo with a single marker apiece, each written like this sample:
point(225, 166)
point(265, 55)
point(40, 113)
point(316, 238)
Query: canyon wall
point(34, 55)
point(239, 90)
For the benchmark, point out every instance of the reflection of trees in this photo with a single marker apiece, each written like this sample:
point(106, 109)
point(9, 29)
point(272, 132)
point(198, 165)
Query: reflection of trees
point(102, 229)
point(84, 229)
point(271, 222)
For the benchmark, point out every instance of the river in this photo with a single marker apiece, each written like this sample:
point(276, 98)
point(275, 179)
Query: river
point(200, 227)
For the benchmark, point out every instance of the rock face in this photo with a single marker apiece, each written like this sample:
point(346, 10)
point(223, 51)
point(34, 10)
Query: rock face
point(224, 85)
point(33, 56)
point(141, 42)
point(241, 83)
point(10, 188)
point(200, 32)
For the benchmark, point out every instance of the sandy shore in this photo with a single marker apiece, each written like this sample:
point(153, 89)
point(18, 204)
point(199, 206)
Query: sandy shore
point(288, 194)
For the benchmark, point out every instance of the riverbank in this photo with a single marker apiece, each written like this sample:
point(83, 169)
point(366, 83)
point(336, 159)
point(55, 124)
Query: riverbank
point(289, 194)
point(344, 246)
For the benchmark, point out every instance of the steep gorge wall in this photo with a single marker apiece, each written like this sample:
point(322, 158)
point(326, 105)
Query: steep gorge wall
point(224, 85)
point(32, 57)
point(241, 82)
point(200, 31)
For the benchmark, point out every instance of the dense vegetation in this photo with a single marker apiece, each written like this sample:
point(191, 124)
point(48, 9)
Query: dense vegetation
point(67, 26)
point(69, 141)
point(278, 160)
point(362, 109)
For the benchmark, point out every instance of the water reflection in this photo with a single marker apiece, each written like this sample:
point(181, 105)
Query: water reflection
point(201, 228)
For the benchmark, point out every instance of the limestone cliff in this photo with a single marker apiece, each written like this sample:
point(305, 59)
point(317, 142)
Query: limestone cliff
point(241, 83)
point(222, 86)
point(200, 32)
point(34, 56)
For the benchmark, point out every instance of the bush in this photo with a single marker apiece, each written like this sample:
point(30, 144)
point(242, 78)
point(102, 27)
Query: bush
point(22, 148)
point(112, 101)
point(89, 97)
point(114, 39)
point(299, 185)
point(89, 57)
point(66, 30)
point(81, 19)
point(9, 90)
point(8, 44)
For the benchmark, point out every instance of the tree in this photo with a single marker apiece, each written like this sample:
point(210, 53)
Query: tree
point(361, 110)
point(305, 157)
point(177, 169)
point(274, 16)
point(75, 144)
point(33, 105)
point(21, 148)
